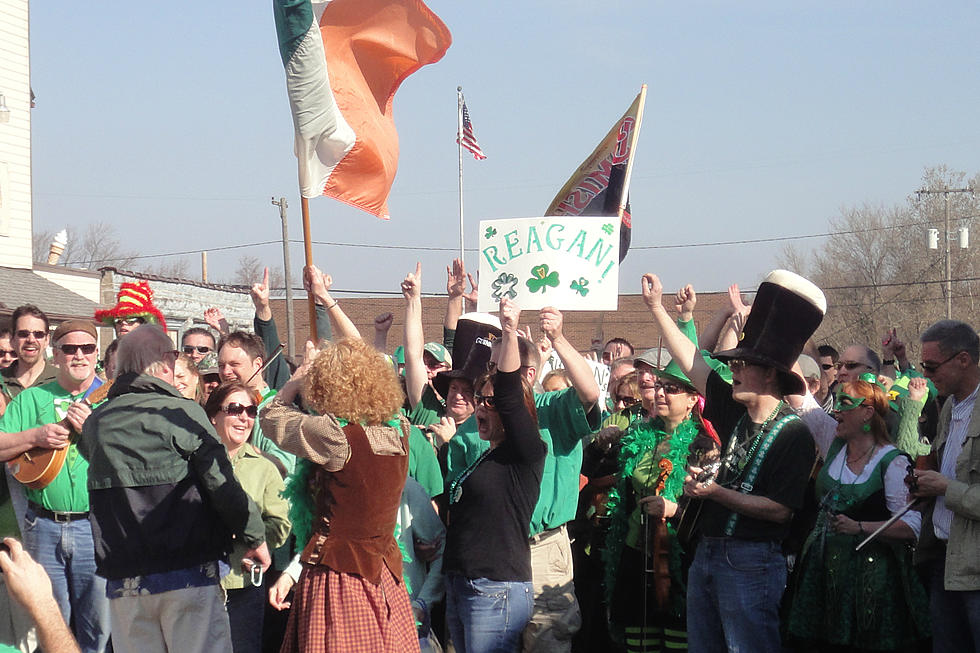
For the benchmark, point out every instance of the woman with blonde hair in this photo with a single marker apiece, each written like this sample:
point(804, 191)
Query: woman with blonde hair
point(872, 599)
point(345, 493)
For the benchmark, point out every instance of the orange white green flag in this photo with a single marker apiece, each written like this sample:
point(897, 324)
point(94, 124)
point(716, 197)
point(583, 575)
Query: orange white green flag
point(344, 60)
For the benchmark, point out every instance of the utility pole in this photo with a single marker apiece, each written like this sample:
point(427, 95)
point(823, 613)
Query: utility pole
point(290, 348)
point(204, 266)
point(945, 191)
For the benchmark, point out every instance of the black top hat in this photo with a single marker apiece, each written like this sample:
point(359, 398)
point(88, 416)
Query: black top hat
point(786, 311)
point(471, 349)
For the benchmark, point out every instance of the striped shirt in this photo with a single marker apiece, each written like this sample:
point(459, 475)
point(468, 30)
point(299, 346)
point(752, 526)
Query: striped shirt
point(942, 517)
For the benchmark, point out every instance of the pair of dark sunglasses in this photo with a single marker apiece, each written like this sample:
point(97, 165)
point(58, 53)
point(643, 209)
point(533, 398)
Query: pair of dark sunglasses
point(8, 352)
point(670, 388)
point(129, 320)
point(851, 365)
point(827, 366)
point(235, 408)
point(484, 400)
point(38, 335)
point(626, 401)
point(88, 348)
point(201, 349)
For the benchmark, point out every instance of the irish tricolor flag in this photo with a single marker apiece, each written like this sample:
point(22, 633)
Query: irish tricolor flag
point(344, 61)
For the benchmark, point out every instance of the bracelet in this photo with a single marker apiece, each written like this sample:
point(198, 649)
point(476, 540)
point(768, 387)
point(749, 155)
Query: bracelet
point(336, 301)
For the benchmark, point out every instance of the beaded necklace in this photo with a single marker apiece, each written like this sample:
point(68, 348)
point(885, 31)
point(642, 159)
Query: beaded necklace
point(456, 487)
point(736, 460)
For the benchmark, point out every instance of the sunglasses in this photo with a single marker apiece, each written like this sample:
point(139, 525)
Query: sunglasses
point(740, 363)
point(669, 388)
point(87, 349)
point(932, 367)
point(8, 352)
point(626, 401)
point(201, 349)
point(38, 335)
point(237, 409)
point(129, 321)
point(850, 365)
point(826, 366)
point(484, 400)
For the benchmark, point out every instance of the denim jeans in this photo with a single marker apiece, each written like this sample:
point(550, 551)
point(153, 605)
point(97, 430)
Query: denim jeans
point(955, 615)
point(487, 616)
point(246, 612)
point(67, 553)
point(733, 594)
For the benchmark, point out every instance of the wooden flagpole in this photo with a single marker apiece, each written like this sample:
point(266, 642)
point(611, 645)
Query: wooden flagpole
point(308, 247)
point(629, 162)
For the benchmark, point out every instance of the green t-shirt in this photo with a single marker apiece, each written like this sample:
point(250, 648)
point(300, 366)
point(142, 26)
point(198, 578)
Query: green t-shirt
point(429, 410)
point(37, 406)
point(423, 465)
point(563, 423)
point(264, 444)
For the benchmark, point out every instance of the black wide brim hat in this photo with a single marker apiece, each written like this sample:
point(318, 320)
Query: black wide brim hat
point(475, 332)
point(787, 310)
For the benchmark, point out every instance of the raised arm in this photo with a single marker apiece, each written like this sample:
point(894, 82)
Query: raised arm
point(382, 324)
point(415, 374)
point(508, 388)
point(681, 349)
point(579, 373)
point(455, 289)
point(319, 284)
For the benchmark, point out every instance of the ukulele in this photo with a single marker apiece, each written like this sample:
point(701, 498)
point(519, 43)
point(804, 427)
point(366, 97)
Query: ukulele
point(39, 466)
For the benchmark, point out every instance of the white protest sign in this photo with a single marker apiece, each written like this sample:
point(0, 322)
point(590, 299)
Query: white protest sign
point(571, 263)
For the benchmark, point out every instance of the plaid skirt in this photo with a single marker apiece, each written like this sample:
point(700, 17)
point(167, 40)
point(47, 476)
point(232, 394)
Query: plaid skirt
point(333, 612)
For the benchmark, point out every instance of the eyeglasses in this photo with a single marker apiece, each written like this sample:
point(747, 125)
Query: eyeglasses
point(234, 408)
point(128, 321)
point(38, 335)
point(87, 349)
point(626, 401)
point(8, 352)
point(201, 349)
point(932, 367)
point(850, 365)
point(669, 388)
point(826, 366)
point(484, 400)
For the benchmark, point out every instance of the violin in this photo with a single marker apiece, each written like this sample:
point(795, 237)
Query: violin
point(656, 545)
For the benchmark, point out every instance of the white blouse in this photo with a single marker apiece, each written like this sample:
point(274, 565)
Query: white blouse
point(896, 492)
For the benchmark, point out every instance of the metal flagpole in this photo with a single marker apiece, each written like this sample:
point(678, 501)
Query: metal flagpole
point(459, 151)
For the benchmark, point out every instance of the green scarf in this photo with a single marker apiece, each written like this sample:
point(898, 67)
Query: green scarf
point(643, 436)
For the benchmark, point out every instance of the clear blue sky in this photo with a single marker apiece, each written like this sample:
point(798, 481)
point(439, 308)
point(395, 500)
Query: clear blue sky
point(763, 119)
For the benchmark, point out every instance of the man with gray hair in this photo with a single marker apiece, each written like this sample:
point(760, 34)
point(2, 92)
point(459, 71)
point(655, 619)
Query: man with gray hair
point(950, 534)
point(164, 506)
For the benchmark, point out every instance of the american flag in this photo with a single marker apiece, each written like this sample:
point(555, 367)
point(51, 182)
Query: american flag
point(469, 138)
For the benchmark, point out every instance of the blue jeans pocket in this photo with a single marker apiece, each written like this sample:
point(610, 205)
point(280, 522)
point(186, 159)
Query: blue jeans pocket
point(489, 589)
point(748, 557)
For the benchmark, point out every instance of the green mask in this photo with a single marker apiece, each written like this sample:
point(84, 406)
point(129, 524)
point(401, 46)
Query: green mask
point(846, 402)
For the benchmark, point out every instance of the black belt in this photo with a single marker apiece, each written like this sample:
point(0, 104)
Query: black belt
point(55, 515)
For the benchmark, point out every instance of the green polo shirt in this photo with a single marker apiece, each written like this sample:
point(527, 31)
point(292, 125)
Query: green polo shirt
point(423, 465)
point(563, 423)
point(429, 410)
point(37, 406)
point(264, 444)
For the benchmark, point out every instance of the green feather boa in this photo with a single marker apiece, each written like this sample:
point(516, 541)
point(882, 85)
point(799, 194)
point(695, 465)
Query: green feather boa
point(644, 436)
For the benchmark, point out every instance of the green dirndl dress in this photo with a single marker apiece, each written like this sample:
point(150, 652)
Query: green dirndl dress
point(869, 599)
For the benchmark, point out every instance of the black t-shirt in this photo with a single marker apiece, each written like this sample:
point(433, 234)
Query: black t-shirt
point(489, 525)
point(782, 477)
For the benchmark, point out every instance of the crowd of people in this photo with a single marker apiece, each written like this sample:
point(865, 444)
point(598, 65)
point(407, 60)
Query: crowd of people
point(741, 488)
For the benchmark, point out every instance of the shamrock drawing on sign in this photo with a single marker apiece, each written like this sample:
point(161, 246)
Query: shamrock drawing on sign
point(541, 278)
point(503, 286)
point(490, 233)
point(608, 228)
point(581, 286)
